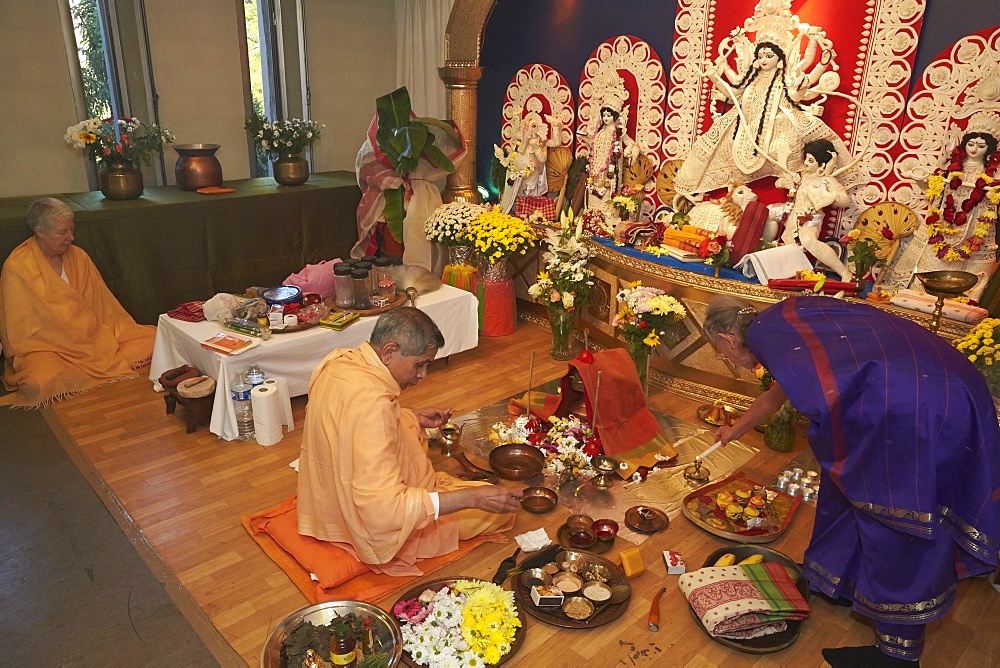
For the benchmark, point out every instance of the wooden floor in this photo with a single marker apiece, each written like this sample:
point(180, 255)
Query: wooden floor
point(179, 497)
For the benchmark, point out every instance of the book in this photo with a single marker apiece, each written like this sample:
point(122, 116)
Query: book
point(229, 343)
point(683, 255)
point(339, 319)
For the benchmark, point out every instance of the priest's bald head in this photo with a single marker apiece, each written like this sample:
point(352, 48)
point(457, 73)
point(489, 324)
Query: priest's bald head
point(406, 340)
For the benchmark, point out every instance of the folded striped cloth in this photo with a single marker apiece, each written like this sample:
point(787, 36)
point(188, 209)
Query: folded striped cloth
point(189, 311)
point(743, 602)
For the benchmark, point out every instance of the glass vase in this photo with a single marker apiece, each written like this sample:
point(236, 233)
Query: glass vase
point(639, 352)
point(561, 321)
point(779, 434)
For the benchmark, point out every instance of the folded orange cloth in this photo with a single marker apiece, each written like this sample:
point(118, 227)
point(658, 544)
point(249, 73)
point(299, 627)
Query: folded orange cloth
point(215, 190)
point(324, 572)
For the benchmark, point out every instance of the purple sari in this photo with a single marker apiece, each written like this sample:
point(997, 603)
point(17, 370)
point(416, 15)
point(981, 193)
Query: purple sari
point(906, 434)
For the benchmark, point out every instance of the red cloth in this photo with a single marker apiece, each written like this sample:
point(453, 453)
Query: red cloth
point(525, 205)
point(497, 309)
point(189, 311)
point(829, 287)
point(749, 231)
point(623, 420)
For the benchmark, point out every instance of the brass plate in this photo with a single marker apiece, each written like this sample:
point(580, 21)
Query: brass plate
point(556, 617)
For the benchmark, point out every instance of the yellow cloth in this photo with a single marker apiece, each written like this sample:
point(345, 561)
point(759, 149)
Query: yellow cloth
point(364, 472)
point(62, 338)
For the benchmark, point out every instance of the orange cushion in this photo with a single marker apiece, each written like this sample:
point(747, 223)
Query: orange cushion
point(331, 565)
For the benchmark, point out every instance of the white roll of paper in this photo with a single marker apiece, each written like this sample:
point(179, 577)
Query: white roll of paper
point(266, 414)
point(281, 385)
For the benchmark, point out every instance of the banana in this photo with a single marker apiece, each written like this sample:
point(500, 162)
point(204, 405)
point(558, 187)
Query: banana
point(726, 560)
point(752, 559)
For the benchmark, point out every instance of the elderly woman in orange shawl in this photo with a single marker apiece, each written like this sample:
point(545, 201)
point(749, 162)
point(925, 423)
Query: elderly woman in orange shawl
point(62, 330)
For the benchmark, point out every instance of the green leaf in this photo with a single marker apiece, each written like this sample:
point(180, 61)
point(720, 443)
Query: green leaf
point(395, 211)
point(447, 126)
point(393, 109)
point(437, 158)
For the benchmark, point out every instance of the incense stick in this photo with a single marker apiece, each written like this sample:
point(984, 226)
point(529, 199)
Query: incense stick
point(597, 395)
point(586, 338)
point(531, 370)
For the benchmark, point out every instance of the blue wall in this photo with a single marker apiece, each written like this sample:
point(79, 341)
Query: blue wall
point(563, 33)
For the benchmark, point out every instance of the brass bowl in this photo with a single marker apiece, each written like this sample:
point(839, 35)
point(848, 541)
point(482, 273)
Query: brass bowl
point(539, 499)
point(579, 522)
point(947, 283)
point(516, 461)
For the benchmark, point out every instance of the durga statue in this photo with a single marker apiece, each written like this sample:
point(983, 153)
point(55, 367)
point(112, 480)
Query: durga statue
point(777, 89)
point(611, 148)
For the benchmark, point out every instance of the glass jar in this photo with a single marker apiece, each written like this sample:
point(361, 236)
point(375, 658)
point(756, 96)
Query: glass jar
point(384, 281)
point(343, 285)
point(372, 287)
point(362, 288)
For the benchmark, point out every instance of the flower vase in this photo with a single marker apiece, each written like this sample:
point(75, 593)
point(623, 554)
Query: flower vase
point(290, 169)
point(639, 352)
point(460, 255)
point(493, 272)
point(779, 434)
point(561, 321)
point(715, 270)
point(120, 180)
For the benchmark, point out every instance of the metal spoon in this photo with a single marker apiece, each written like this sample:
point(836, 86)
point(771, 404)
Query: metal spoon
point(619, 594)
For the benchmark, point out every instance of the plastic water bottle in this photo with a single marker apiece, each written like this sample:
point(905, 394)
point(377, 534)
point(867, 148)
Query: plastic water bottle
point(255, 376)
point(244, 411)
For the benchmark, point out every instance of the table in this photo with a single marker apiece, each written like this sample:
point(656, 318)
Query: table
point(173, 246)
point(295, 355)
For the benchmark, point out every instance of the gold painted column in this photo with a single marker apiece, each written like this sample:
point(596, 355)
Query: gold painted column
point(462, 85)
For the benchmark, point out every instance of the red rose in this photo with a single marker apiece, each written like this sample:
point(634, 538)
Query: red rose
point(888, 234)
point(933, 218)
point(961, 218)
point(955, 182)
point(643, 324)
point(980, 183)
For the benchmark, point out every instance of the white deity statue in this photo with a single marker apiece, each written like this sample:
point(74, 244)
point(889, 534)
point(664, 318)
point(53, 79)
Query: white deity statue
point(526, 161)
point(959, 232)
point(787, 66)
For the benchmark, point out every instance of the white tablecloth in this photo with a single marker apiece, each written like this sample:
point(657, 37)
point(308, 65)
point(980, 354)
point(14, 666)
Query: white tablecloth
point(295, 355)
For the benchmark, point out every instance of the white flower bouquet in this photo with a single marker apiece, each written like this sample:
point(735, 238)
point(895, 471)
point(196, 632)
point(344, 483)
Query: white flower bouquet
point(449, 222)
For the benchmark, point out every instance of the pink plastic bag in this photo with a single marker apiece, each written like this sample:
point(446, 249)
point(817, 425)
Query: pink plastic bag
point(316, 278)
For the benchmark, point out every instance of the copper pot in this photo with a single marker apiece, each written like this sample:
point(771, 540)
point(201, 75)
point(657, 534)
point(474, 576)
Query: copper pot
point(197, 167)
point(290, 169)
point(516, 461)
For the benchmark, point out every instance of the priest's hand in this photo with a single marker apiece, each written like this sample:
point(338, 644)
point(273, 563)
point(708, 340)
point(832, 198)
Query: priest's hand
point(490, 498)
point(429, 418)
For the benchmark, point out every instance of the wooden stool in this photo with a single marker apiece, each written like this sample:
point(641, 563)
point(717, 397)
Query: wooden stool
point(199, 411)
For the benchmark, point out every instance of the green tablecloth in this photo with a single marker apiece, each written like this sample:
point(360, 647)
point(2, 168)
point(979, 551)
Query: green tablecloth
point(173, 246)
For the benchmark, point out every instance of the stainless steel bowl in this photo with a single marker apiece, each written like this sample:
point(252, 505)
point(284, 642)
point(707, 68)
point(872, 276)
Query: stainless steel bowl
point(388, 638)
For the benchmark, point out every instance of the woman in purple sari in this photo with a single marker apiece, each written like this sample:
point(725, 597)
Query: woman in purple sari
point(906, 434)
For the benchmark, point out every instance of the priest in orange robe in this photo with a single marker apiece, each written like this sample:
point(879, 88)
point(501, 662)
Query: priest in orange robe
point(61, 329)
point(366, 482)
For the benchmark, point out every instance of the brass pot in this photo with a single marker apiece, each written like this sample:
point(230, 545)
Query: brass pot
point(197, 167)
point(120, 180)
point(290, 170)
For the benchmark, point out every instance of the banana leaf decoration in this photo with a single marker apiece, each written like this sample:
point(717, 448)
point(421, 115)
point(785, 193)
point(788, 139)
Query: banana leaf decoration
point(404, 140)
